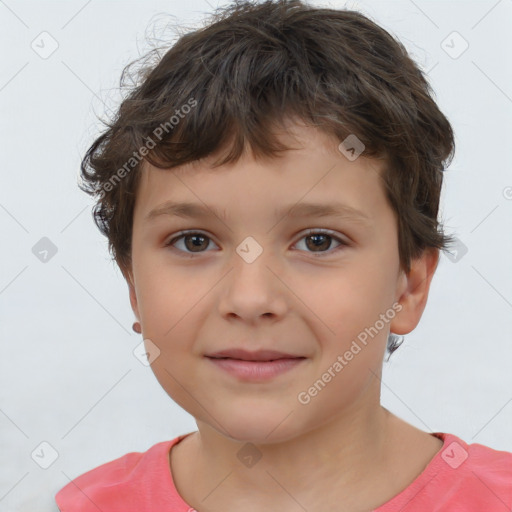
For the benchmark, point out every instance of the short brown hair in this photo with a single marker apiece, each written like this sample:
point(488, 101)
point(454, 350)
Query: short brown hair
point(253, 65)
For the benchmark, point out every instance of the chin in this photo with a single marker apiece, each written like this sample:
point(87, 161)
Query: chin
point(257, 434)
point(258, 427)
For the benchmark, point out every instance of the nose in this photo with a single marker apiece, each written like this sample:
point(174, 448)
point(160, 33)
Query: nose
point(253, 288)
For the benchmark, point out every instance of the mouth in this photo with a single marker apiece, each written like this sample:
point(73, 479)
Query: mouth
point(256, 360)
point(256, 367)
point(258, 356)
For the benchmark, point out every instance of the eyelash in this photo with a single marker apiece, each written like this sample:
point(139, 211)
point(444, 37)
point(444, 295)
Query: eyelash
point(310, 232)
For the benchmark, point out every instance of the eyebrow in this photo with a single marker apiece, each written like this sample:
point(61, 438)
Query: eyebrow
point(201, 211)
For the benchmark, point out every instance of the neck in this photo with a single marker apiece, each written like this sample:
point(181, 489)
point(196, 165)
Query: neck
point(348, 454)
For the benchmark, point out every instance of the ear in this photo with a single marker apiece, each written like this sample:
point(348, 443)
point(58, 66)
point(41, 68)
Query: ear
point(412, 291)
point(133, 296)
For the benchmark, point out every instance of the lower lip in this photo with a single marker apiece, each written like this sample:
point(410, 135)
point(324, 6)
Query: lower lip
point(256, 370)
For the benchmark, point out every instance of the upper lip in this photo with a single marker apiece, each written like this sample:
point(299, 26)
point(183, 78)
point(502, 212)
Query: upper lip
point(259, 355)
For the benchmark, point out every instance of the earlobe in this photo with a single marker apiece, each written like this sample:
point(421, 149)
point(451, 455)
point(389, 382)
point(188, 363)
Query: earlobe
point(413, 291)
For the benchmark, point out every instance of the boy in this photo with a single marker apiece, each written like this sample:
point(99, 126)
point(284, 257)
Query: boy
point(270, 193)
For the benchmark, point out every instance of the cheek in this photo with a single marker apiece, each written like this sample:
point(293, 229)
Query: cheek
point(167, 323)
point(350, 306)
point(173, 303)
point(164, 294)
point(352, 339)
point(351, 298)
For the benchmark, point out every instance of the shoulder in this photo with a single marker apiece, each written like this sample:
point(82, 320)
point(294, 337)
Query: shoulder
point(457, 452)
point(477, 472)
point(130, 482)
point(461, 476)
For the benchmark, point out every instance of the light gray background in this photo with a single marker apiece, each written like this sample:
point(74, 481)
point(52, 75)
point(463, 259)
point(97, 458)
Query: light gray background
point(68, 374)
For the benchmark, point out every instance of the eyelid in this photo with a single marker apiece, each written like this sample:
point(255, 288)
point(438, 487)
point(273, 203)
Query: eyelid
point(308, 232)
point(323, 231)
point(187, 232)
point(335, 235)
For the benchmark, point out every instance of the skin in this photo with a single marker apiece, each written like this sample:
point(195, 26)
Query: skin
point(342, 450)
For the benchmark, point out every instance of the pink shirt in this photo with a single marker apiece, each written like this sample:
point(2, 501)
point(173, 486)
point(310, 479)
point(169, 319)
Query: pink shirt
point(460, 478)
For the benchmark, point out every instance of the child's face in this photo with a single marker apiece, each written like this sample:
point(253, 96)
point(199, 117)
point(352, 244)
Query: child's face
point(301, 296)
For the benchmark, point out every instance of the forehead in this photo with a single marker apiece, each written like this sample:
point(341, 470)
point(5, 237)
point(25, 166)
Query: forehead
point(313, 178)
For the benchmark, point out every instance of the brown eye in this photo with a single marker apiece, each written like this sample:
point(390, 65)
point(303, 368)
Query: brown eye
point(320, 242)
point(193, 242)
